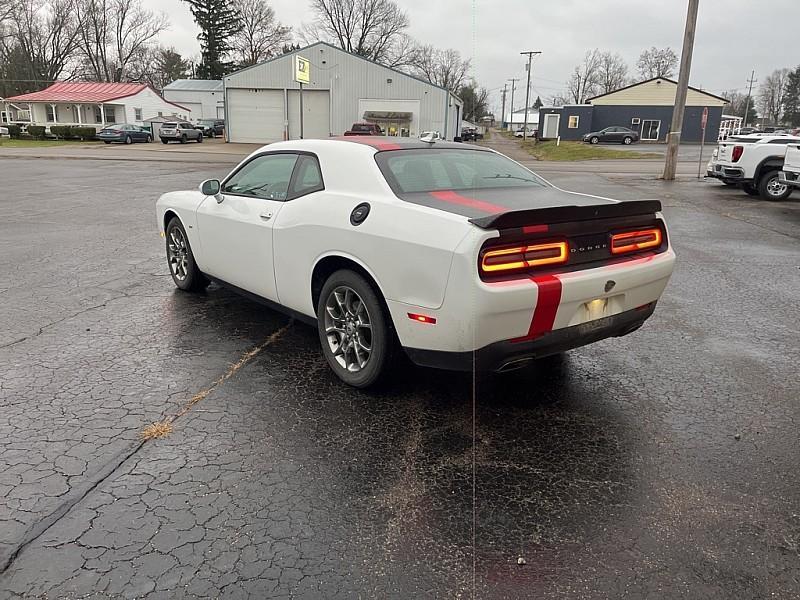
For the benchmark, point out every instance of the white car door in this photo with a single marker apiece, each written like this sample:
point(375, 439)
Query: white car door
point(236, 233)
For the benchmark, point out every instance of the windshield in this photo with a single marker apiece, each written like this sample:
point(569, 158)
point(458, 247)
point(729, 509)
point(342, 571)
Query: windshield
point(430, 170)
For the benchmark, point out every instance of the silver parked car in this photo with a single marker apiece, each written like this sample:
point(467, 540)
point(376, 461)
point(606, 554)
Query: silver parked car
point(179, 131)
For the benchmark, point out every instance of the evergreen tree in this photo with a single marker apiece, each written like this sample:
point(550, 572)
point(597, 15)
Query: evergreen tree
point(791, 99)
point(538, 104)
point(218, 21)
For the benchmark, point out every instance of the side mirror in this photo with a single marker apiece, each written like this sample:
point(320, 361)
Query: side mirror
point(212, 187)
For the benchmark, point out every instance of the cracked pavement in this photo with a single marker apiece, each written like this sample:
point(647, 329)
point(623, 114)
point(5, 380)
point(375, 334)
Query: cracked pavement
point(658, 465)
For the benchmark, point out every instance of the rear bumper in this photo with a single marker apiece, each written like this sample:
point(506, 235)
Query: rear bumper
point(727, 173)
point(790, 178)
point(508, 354)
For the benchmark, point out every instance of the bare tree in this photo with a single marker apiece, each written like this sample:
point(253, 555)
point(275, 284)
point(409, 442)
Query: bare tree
point(771, 95)
point(585, 79)
point(612, 72)
point(38, 43)
point(370, 28)
point(657, 62)
point(114, 34)
point(444, 68)
point(260, 36)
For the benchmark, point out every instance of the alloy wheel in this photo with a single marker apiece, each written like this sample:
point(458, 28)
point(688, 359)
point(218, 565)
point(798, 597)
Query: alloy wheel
point(178, 254)
point(775, 188)
point(348, 328)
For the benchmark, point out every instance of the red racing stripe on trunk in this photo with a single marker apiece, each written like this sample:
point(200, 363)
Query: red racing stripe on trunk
point(455, 198)
point(544, 315)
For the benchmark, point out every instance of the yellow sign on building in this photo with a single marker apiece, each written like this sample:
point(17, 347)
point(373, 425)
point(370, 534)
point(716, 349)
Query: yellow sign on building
point(302, 69)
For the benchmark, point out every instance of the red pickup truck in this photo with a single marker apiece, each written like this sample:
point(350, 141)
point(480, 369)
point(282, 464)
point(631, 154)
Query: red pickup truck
point(364, 129)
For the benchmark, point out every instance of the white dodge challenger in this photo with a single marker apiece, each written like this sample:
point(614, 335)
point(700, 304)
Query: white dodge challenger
point(458, 255)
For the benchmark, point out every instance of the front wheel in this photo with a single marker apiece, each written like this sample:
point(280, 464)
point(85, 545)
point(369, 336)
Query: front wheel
point(627, 140)
point(770, 187)
point(163, 141)
point(106, 141)
point(128, 140)
point(200, 139)
point(183, 139)
point(148, 139)
point(354, 329)
point(180, 259)
point(594, 140)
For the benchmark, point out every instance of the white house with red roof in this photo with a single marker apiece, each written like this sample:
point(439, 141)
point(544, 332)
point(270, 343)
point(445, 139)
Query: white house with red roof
point(90, 104)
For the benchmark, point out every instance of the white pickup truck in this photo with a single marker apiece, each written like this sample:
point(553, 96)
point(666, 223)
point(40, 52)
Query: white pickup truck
point(791, 166)
point(755, 162)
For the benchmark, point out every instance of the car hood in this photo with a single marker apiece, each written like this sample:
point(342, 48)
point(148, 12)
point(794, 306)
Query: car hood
point(494, 201)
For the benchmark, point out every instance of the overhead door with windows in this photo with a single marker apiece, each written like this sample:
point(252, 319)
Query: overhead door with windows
point(255, 115)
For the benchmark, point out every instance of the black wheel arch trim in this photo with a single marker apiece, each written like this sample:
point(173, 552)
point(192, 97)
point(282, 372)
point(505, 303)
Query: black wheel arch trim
point(768, 164)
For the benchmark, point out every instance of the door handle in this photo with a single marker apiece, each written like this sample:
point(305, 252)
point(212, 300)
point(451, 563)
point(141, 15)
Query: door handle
point(266, 216)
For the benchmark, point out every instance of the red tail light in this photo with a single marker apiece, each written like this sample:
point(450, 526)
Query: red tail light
point(422, 318)
point(631, 241)
point(737, 153)
point(524, 257)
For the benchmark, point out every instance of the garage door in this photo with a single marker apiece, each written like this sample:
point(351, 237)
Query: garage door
point(255, 116)
point(316, 114)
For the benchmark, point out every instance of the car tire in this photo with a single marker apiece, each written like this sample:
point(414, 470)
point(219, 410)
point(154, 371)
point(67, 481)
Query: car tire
point(148, 139)
point(163, 141)
point(349, 301)
point(106, 142)
point(770, 188)
point(183, 139)
point(750, 189)
point(213, 134)
point(128, 140)
point(200, 139)
point(627, 140)
point(594, 140)
point(180, 259)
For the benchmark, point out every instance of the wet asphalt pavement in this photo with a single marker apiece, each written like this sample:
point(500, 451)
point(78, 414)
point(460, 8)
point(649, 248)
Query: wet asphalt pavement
point(658, 465)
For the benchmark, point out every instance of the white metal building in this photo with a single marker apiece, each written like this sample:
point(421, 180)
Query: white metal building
point(204, 97)
point(262, 102)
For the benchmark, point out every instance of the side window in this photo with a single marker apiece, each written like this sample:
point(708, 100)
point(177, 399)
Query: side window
point(308, 178)
point(264, 177)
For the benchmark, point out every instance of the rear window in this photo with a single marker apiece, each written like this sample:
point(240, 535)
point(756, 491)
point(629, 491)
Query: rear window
point(430, 170)
point(362, 128)
point(169, 126)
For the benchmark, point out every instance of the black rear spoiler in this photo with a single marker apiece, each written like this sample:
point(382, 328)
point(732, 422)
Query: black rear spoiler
point(561, 214)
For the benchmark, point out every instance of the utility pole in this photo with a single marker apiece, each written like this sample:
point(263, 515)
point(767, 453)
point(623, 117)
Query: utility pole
point(503, 112)
point(527, 93)
point(513, 87)
point(751, 81)
point(674, 140)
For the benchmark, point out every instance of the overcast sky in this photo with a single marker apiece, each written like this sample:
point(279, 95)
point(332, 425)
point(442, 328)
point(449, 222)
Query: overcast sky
point(733, 36)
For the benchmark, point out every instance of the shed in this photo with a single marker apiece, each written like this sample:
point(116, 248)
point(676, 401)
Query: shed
point(205, 97)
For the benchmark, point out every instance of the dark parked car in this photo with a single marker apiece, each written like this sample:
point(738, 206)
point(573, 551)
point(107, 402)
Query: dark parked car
point(364, 129)
point(211, 127)
point(471, 135)
point(622, 135)
point(179, 131)
point(124, 134)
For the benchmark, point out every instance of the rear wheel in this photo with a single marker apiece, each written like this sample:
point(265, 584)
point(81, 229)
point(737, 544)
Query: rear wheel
point(180, 259)
point(183, 139)
point(627, 140)
point(128, 139)
point(148, 139)
point(200, 139)
point(771, 188)
point(750, 189)
point(354, 329)
point(594, 140)
point(106, 141)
